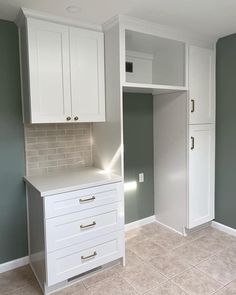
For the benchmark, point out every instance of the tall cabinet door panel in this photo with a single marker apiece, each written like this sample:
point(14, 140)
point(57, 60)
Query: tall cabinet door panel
point(87, 75)
point(201, 85)
point(48, 46)
point(201, 174)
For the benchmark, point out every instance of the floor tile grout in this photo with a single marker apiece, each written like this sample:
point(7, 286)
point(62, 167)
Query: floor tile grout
point(185, 269)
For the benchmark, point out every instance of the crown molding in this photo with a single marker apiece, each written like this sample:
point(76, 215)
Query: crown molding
point(29, 13)
point(153, 28)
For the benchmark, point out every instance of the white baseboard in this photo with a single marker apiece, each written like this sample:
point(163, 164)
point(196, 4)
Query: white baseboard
point(140, 222)
point(168, 227)
point(224, 228)
point(10, 265)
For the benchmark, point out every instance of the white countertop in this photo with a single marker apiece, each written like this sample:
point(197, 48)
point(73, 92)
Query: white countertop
point(69, 180)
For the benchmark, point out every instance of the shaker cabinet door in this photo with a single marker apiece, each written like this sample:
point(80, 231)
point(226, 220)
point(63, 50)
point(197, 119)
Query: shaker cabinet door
point(87, 75)
point(49, 71)
point(201, 174)
point(201, 86)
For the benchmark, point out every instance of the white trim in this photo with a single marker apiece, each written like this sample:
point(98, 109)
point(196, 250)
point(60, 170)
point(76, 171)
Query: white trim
point(197, 228)
point(164, 31)
point(224, 228)
point(30, 13)
point(107, 25)
point(33, 270)
point(136, 54)
point(155, 89)
point(168, 227)
point(140, 222)
point(10, 265)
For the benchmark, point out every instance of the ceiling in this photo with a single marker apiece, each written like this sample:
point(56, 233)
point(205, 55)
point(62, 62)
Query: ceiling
point(216, 18)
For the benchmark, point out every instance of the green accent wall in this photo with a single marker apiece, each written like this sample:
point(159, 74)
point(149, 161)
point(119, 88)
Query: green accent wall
point(13, 233)
point(225, 207)
point(138, 146)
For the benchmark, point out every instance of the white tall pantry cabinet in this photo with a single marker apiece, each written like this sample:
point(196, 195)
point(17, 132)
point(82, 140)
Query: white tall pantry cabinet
point(201, 136)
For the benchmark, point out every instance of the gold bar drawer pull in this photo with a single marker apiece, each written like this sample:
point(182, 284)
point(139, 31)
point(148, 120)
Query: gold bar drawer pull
point(88, 225)
point(89, 256)
point(84, 200)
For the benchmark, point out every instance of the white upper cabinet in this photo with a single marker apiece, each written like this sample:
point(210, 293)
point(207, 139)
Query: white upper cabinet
point(65, 73)
point(49, 72)
point(87, 75)
point(201, 174)
point(201, 85)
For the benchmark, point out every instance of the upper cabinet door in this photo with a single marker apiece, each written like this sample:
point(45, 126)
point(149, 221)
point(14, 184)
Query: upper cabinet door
point(49, 72)
point(87, 75)
point(201, 174)
point(201, 85)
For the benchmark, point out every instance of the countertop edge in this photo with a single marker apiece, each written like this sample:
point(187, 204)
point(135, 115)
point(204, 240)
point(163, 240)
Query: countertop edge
point(50, 192)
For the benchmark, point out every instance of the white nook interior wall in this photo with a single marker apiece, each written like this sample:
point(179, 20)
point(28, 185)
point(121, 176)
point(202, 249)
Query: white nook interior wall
point(155, 60)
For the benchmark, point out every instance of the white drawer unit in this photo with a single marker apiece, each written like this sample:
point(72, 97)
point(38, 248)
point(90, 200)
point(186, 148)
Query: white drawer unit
point(75, 231)
point(74, 201)
point(69, 229)
point(79, 258)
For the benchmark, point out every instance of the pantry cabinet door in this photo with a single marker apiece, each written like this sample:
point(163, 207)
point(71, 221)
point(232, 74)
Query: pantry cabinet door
point(201, 174)
point(87, 75)
point(201, 85)
point(48, 49)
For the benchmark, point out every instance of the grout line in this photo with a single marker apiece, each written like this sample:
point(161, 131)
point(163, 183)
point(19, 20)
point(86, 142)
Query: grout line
point(216, 254)
point(181, 288)
point(208, 276)
point(98, 272)
point(187, 269)
point(136, 291)
point(220, 282)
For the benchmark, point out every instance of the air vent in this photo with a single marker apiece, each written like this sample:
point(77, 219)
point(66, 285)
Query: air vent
point(84, 274)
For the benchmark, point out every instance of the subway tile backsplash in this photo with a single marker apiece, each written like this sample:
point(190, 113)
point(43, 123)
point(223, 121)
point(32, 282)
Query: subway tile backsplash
point(52, 147)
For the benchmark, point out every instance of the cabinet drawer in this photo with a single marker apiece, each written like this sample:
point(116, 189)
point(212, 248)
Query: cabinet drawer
point(67, 230)
point(74, 201)
point(71, 261)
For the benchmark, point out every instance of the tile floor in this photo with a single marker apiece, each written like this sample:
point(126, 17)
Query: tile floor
point(158, 262)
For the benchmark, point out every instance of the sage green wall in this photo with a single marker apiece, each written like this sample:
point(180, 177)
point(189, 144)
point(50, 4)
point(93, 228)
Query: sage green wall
point(13, 240)
point(225, 208)
point(138, 147)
